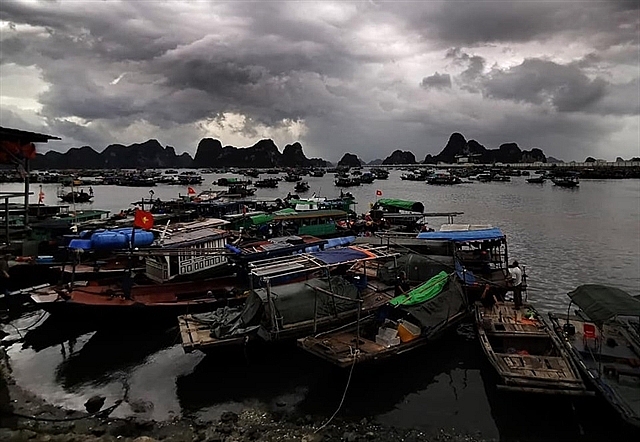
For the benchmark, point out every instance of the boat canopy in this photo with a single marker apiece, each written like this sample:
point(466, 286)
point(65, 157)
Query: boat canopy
point(261, 219)
point(435, 310)
point(413, 206)
point(337, 256)
point(601, 303)
point(464, 235)
point(423, 292)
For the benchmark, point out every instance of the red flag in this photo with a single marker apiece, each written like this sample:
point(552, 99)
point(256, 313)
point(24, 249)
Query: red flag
point(40, 196)
point(191, 190)
point(143, 219)
point(378, 192)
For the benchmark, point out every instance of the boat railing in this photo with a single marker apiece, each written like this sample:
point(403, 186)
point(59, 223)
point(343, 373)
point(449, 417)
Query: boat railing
point(359, 301)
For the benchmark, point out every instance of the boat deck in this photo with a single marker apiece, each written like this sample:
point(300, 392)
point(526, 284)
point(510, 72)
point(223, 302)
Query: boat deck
point(196, 335)
point(524, 352)
point(504, 319)
point(550, 367)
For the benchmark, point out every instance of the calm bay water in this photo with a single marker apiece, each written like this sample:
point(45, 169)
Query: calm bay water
point(564, 237)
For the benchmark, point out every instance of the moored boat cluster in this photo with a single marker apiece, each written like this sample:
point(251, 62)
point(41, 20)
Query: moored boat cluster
point(350, 289)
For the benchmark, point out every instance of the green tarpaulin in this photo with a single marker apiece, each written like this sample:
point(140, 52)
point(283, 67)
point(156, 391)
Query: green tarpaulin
point(261, 219)
point(423, 292)
point(387, 203)
point(601, 303)
point(284, 212)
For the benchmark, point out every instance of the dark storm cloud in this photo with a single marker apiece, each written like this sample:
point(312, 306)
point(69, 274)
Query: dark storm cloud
point(110, 31)
point(538, 81)
point(475, 23)
point(349, 72)
point(438, 81)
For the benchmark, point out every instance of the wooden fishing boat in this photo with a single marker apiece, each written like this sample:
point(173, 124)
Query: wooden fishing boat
point(347, 181)
point(75, 196)
point(302, 186)
point(603, 338)
point(294, 297)
point(566, 181)
point(139, 302)
point(408, 322)
point(524, 351)
point(267, 182)
point(292, 177)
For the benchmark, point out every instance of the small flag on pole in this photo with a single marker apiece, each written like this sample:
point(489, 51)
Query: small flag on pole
point(191, 190)
point(143, 219)
point(378, 192)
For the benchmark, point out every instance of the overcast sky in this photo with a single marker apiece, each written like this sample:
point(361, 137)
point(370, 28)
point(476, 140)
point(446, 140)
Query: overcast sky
point(363, 77)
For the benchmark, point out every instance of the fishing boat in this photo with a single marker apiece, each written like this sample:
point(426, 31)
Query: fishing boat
point(408, 322)
point(540, 179)
point(443, 177)
point(302, 186)
point(267, 182)
point(229, 181)
point(253, 173)
point(397, 214)
point(292, 297)
point(179, 269)
point(603, 338)
point(291, 177)
point(74, 196)
point(137, 302)
point(380, 174)
point(566, 180)
point(525, 353)
point(346, 181)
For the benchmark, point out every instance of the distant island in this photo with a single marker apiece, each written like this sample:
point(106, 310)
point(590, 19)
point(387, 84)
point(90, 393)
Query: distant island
point(210, 153)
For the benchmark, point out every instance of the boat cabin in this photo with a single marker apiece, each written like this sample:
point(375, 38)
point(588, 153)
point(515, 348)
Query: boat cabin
point(192, 248)
point(479, 251)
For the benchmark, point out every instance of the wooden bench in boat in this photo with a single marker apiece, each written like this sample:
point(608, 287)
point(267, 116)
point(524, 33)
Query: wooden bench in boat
point(544, 367)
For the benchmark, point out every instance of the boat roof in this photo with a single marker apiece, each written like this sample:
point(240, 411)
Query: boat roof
point(311, 214)
point(185, 234)
point(270, 268)
point(276, 244)
point(601, 303)
point(413, 206)
point(463, 233)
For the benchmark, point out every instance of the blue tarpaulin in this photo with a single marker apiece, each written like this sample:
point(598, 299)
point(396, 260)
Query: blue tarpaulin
point(464, 235)
point(339, 255)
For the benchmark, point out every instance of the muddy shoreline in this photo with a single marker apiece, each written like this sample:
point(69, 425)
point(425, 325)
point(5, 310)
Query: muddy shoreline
point(24, 416)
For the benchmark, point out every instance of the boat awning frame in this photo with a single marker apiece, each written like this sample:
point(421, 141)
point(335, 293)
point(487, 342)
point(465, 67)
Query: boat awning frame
point(288, 265)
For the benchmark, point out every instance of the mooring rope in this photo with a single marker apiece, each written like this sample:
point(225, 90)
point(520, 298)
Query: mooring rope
point(344, 395)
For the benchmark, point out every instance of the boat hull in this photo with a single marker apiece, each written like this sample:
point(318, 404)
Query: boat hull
point(525, 354)
point(620, 387)
point(149, 302)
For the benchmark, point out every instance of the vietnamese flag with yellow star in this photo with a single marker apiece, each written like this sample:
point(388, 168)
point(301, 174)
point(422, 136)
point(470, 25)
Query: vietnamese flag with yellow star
point(143, 219)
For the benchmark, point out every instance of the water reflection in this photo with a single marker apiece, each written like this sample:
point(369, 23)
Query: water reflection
point(110, 351)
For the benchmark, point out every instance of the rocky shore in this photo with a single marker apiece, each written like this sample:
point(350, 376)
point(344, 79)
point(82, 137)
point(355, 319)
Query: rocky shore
point(25, 417)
